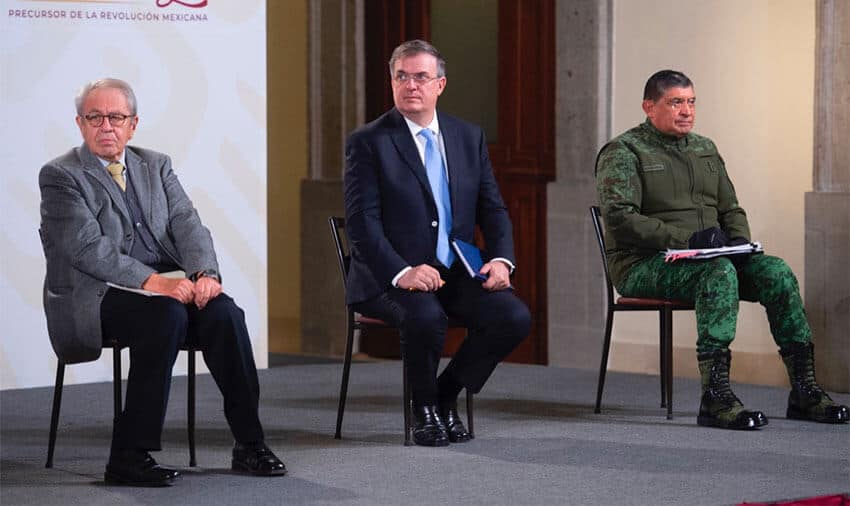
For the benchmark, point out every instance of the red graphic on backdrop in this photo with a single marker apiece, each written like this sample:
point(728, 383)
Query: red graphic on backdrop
point(166, 3)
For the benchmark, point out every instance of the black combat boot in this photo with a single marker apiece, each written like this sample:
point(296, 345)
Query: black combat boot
point(719, 407)
point(807, 400)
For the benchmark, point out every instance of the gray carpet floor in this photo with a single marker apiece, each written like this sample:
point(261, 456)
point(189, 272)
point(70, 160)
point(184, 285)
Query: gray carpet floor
point(538, 442)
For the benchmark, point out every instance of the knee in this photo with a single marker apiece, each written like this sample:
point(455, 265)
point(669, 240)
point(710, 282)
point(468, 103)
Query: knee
point(220, 323)
point(778, 274)
point(509, 321)
point(171, 313)
point(720, 275)
point(169, 327)
point(222, 309)
point(426, 322)
point(516, 320)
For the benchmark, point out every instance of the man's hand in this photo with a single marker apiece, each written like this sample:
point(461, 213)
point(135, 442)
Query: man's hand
point(423, 278)
point(708, 238)
point(206, 289)
point(498, 276)
point(177, 288)
point(737, 241)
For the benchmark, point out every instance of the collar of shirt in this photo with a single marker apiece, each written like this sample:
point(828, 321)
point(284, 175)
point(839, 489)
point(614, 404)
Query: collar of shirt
point(122, 160)
point(420, 141)
point(679, 142)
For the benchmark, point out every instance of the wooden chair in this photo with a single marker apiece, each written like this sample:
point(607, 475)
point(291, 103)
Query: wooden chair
point(665, 308)
point(116, 392)
point(364, 323)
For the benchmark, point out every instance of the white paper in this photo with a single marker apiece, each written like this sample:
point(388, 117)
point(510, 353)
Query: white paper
point(148, 293)
point(671, 255)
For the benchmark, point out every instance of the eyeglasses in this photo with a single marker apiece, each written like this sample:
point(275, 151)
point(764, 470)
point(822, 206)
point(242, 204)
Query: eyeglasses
point(115, 119)
point(679, 103)
point(420, 78)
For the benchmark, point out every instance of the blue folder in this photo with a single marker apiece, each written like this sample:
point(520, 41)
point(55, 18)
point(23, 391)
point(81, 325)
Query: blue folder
point(470, 256)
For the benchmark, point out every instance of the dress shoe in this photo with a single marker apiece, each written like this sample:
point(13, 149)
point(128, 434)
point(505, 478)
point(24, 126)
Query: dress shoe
point(454, 425)
point(257, 459)
point(429, 429)
point(137, 468)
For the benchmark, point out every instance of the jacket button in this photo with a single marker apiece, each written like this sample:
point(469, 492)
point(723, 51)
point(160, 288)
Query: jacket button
point(100, 293)
point(434, 223)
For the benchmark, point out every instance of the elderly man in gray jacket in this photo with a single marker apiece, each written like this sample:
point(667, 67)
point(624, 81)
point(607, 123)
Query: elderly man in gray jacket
point(112, 213)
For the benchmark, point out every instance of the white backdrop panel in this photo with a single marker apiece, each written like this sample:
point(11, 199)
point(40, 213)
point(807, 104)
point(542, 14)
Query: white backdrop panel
point(198, 70)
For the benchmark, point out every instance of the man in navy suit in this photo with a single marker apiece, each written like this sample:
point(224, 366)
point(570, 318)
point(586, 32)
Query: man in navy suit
point(415, 179)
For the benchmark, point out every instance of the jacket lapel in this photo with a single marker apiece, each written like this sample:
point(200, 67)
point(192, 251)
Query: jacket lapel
point(96, 170)
point(143, 184)
point(138, 170)
point(406, 147)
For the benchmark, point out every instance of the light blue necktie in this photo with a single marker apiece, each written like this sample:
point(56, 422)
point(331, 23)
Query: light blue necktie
point(436, 171)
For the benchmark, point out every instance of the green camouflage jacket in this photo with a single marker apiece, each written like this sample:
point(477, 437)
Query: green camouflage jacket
point(655, 190)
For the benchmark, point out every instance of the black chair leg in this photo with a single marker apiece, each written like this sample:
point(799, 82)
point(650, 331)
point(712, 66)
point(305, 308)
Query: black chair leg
point(603, 366)
point(662, 357)
point(469, 413)
point(346, 369)
point(116, 384)
point(407, 407)
point(190, 408)
point(57, 400)
point(668, 358)
point(54, 416)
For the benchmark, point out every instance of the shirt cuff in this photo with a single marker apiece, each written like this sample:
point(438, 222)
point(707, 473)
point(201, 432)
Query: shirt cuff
point(505, 261)
point(399, 275)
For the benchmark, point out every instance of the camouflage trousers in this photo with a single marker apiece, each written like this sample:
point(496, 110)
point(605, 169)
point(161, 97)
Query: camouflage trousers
point(715, 286)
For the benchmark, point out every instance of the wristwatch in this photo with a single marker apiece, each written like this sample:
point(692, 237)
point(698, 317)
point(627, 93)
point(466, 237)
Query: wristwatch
point(206, 273)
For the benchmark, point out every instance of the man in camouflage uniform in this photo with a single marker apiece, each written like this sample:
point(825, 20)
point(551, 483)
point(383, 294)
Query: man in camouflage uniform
point(661, 186)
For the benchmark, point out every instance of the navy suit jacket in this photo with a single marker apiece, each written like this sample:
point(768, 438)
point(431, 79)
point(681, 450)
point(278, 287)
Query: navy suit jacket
point(391, 217)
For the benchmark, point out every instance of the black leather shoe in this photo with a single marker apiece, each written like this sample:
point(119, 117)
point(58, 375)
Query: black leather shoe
point(136, 468)
point(257, 460)
point(454, 425)
point(429, 429)
point(744, 420)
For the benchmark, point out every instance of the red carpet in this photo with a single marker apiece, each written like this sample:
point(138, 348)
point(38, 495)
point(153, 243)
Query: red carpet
point(823, 500)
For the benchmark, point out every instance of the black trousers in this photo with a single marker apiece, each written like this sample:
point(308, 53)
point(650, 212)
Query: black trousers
point(497, 322)
point(154, 328)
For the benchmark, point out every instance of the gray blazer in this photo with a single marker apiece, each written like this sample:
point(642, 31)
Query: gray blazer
point(87, 235)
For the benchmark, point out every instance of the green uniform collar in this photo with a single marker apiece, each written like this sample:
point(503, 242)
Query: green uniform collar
point(671, 140)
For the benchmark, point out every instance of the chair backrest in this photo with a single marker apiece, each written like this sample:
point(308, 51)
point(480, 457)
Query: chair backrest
point(596, 216)
point(337, 225)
